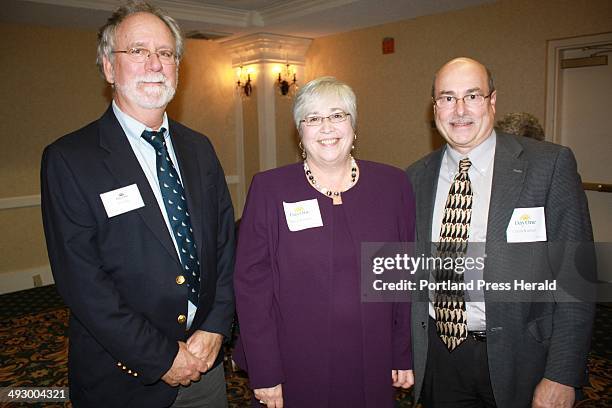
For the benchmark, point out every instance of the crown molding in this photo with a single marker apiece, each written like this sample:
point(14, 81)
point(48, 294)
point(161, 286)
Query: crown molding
point(179, 9)
point(106, 5)
point(292, 9)
point(265, 47)
point(187, 10)
point(190, 10)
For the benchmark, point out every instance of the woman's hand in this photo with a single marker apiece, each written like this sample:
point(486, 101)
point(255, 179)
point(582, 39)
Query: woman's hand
point(402, 378)
point(271, 397)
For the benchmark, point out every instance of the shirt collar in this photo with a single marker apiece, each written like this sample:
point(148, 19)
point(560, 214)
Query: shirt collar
point(133, 128)
point(481, 156)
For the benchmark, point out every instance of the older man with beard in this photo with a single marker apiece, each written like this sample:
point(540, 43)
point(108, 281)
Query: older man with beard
point(139, 227)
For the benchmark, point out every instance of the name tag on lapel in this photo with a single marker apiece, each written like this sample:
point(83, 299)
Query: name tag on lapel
point(121, 200)
point(303, 215)
point(527, 225)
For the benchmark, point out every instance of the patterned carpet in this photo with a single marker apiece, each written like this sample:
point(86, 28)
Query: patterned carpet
point(33, 351)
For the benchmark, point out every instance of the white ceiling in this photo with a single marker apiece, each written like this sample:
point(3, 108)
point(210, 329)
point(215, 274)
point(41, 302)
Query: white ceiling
point(234, 18)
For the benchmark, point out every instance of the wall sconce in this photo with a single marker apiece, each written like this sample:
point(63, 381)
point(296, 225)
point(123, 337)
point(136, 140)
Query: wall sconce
point(287, 81)
point(244, 84)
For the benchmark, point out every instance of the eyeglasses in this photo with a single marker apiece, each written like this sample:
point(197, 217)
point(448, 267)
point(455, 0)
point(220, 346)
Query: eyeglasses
point(471, 100)
point(336, 117)
point(139, 54)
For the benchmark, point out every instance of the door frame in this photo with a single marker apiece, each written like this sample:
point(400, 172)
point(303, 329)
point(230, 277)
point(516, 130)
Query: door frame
point(553, 76)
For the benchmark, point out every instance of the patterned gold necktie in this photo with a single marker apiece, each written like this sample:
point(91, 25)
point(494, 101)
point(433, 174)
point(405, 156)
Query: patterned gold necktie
point(449, 304)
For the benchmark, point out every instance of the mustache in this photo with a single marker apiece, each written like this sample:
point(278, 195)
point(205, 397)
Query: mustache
point(461, 121)
point(152, 77)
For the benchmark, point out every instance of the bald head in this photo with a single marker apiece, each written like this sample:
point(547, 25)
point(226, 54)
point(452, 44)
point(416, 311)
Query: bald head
point(464, 103)
point(468, 61)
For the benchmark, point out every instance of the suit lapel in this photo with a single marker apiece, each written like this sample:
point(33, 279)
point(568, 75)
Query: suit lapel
point(508, 174)
point(124, 166)
point(428, 185)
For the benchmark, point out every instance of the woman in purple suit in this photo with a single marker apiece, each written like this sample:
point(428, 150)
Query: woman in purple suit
point(306, 338)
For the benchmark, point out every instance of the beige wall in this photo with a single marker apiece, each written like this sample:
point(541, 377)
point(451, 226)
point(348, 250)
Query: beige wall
point(22, 244)
point(204, 98)
point(52, 86)
point(394, 90)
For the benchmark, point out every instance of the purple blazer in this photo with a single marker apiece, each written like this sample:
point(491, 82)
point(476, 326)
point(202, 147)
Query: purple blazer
point(283, 293)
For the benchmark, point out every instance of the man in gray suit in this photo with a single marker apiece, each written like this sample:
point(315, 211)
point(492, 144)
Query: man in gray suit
point(504, 348)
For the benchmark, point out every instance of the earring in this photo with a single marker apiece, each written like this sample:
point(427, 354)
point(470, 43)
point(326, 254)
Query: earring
point(354, 140)
point(302, 149)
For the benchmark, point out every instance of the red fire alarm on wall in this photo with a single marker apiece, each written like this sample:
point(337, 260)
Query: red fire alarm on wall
point(388, 45)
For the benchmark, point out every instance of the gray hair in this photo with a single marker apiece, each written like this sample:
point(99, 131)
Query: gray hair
point(106, 34)
point(521, 124)
point(320, 88)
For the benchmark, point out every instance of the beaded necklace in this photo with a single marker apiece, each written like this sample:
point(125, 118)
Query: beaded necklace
point(336, 196)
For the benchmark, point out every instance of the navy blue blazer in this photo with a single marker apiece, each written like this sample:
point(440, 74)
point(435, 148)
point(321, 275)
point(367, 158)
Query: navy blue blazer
point(119, 275)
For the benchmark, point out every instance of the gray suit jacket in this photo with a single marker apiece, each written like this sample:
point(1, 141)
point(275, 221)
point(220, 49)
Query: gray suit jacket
point(534, 335)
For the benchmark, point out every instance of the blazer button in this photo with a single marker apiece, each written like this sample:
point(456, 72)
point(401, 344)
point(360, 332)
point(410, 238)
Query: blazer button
point(180, 280)
point(181, 319)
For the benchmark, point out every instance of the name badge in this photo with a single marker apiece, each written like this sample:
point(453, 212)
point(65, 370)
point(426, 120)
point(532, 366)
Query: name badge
point(121, 200)
point(303, 215)
point(527, 225)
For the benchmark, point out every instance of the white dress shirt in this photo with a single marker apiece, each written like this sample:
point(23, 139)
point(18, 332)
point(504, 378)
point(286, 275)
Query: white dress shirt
point(146, 155)
point(481, 177)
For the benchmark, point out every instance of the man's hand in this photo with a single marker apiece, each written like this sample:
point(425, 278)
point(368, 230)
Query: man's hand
point(205, 346)
point(402, 378)
point(185, 368)
point(271, 397)
point(551, 394)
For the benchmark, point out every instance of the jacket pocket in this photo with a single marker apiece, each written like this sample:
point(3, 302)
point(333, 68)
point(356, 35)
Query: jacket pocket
point(541, 328)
